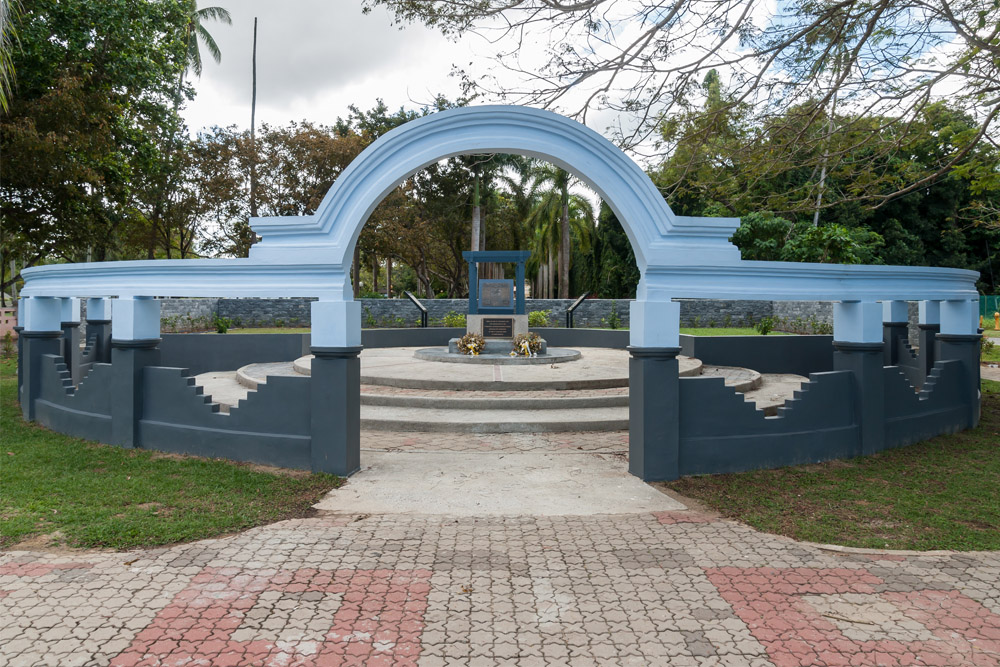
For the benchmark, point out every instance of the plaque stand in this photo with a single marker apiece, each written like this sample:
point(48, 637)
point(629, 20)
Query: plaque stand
point(496, 307)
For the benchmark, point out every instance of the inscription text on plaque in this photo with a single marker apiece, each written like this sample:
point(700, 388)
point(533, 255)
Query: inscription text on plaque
point(498, 327)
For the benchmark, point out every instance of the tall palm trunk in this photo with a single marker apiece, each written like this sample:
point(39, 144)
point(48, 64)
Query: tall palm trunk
point(550, 274)
point(564, 248)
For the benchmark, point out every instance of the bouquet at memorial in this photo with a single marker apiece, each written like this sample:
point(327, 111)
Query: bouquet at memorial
point(527, 344)
point(471, 343)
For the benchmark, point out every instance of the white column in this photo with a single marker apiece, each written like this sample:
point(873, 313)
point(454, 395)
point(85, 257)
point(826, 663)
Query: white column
point(930, 312)
point(135, 318)
point(654, 324)
point(959, 317)
point(98, 309)
point(42, 313)
point(895, 311)
point(857, 322)
point(336, 323)
point(70, 310)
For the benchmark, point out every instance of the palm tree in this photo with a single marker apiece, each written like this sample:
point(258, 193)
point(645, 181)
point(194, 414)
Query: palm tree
point(195, 33)
point(10, 13)
point(557, 199)
point(557, 217)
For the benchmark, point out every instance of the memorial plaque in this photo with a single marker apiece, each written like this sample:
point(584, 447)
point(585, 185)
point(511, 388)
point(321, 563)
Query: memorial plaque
point(498, 327)
point(496, 293)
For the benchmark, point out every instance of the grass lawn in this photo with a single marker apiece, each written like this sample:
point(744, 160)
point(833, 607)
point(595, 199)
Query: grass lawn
point(727, 331)
point(993, 354)
point(83, 494)
point(939, 494)
point(296, 330)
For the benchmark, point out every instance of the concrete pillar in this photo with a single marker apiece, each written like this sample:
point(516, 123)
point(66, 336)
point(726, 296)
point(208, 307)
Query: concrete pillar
point(960, 340)
point(857, 345)
point(336, 386)
point(135, 339)
point(895, 322)
point(654, 419)
point(71, 336)
point(929, 325)
point(654, 389)
point(99, 328)
point(42, 334)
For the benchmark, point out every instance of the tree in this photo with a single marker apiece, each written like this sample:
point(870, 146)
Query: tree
point(610, 270)
point(195, 34)
point(646, 59)
point(555, 214)
point(96, 84)
point(10, 14)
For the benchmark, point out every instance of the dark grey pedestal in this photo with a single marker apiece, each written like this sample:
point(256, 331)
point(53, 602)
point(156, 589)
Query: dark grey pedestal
point(34, 344)
point(928, 346)
point(654, 400)
point(129, 358)
point(71, 349)
point(865, 361)
point(336, 410)
point(894, 334)
point(964, 348)
point(99, 331)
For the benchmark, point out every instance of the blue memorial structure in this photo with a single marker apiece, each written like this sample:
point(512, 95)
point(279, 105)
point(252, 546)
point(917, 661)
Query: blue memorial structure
point(872, 393)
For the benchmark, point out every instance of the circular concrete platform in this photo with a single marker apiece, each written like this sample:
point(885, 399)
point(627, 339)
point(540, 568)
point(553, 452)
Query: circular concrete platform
point(596, 368)
point(555, 355)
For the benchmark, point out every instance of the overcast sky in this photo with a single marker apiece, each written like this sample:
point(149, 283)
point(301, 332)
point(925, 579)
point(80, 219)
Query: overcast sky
point(314, 58)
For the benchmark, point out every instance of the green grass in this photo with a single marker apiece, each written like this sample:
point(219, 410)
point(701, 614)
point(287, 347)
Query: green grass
point(83, 494)
point(939, 494)
point(296, 330)
point(727, 331)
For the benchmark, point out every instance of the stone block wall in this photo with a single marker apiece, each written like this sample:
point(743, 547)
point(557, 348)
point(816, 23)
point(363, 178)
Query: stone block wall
point(181, 315)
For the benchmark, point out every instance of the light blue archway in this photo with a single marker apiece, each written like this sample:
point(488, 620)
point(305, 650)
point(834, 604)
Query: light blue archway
point(678, 257)
point(658, 236)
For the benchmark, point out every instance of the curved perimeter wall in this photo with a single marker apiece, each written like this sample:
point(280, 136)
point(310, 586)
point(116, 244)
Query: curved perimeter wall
point(147, 397)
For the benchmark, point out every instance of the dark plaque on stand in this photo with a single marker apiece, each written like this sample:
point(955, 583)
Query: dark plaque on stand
point(498, 327)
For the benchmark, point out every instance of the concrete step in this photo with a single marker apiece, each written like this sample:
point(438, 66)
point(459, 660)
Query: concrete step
point(394, 418)
point(494, 400)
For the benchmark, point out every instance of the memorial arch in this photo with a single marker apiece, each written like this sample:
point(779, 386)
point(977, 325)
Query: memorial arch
point(678, 257)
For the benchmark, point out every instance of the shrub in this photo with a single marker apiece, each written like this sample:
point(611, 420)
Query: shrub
point(453, 319)
point(613, 321)
point(221, 324)
point(765, 326)
point(8, 344)
point(539, 318)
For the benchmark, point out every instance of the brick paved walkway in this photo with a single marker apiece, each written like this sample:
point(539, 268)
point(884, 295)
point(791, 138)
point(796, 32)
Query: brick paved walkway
point(676, 588)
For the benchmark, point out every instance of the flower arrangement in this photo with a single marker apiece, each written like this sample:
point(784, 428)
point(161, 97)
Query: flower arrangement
point(526, 345)
point(471, 343)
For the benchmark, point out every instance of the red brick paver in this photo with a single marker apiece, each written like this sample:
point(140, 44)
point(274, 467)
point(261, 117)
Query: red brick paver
point(672, 588)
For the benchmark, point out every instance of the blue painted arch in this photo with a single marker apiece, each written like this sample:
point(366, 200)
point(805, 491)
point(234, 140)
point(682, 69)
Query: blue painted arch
point(621, 183)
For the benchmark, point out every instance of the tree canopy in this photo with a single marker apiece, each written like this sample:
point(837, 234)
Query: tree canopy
point(790, 72)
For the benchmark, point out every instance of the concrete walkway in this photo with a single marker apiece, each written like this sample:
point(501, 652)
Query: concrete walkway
point(445, 550)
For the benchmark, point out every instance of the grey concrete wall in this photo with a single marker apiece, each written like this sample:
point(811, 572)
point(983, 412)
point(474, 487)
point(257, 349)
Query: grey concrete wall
point(716, 430)
point(938, 408)
point(85, 411)
point(720, 432)
point(203, 352)
point(800, 355)
point(271, 426)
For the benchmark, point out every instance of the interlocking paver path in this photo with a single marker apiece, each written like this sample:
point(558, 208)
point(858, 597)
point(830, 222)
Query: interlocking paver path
point(675, 588)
